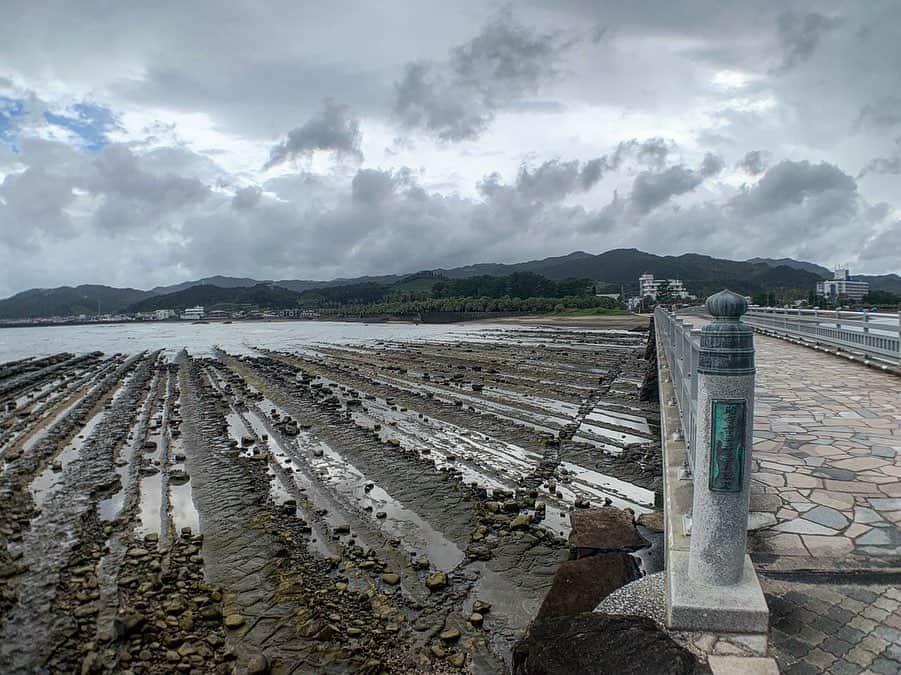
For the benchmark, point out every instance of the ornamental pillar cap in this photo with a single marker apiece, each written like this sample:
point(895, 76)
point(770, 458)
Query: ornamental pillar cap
point(727, 305)
point(727, 344)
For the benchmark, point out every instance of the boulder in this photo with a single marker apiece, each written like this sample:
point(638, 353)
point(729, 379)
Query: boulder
point(601, 644)
point(579, 585)
point(604, 529)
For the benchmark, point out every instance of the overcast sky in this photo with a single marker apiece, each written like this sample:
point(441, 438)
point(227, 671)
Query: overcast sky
point(149, 143)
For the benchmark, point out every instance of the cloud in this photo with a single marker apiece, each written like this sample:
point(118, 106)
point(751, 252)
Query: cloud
point(39, 198)
point(652, 152)
point(753, 163)
point(553, 180)
point(886, 165)
point(582, 144)
point(11, 110)
point(333, 130)
point(882, 249)
point(650, 189)
point(800, 34)
point(371, 187)
point(133, 197)
point(89, 122)
point(790, 182)
point(247, 198)
point(457, 99)
point(882, 114)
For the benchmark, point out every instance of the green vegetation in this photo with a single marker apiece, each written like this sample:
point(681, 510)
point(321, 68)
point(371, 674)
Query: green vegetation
point(882, 299)
point(418, 294)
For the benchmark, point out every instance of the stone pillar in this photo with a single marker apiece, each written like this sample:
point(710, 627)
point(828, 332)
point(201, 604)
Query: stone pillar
point(725, 423)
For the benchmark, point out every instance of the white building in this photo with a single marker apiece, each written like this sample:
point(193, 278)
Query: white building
point(192, 313)
point(649, 286)
point(842, 284)
point(163, 314)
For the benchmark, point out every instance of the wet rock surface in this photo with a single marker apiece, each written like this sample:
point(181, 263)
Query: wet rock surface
point(398, 507)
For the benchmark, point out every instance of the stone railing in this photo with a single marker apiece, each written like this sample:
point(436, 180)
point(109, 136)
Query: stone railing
point(871, 335)
point(682, 344)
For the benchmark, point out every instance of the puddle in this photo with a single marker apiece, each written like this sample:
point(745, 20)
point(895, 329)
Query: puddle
point(399, 521)
point(181, 505)
point(150, 512)
point(236, 427)
point(606, 416)
point(596, 486)
point(49, 479)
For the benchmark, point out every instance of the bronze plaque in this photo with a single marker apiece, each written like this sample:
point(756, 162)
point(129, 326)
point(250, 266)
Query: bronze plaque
point(727, 446)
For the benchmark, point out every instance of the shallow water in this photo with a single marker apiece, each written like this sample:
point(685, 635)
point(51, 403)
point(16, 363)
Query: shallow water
point(200, 339)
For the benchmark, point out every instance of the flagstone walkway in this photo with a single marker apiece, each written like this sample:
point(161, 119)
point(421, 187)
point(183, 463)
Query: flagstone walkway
point(827, 456)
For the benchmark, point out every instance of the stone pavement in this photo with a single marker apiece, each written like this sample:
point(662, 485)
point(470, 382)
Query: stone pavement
point(833, 626)
point(827, 457)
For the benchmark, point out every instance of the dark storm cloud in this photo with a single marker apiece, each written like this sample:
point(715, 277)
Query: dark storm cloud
point(332, 130)
point(800, 34)
point(457, 99)
point(554, 180)
point(790, 182)
point(753, 163)
point(650, 189)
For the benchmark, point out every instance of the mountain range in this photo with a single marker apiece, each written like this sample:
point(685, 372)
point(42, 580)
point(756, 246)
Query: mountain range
point(620, 267)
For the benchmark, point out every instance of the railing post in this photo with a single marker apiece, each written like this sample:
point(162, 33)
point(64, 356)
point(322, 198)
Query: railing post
point(723, 445)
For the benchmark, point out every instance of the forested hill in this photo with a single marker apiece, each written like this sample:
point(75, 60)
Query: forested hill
point(68, 301)
point(619, 268)
point(261, 295)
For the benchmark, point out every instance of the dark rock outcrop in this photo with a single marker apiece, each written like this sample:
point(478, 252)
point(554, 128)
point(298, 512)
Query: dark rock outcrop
point(601, 644)
point(580, 585)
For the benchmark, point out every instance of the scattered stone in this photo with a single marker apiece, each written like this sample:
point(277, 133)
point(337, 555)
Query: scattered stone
point(391, 578)
point(127, 621)
point(521, 522)
point(457, 660)
point(234, 621)
point(436, 581)
point(257, 664)
point(449, 635)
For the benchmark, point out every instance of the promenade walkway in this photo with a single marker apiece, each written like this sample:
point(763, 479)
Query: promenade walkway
point(827, 465)
point(827, 458)
point(827, 474)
